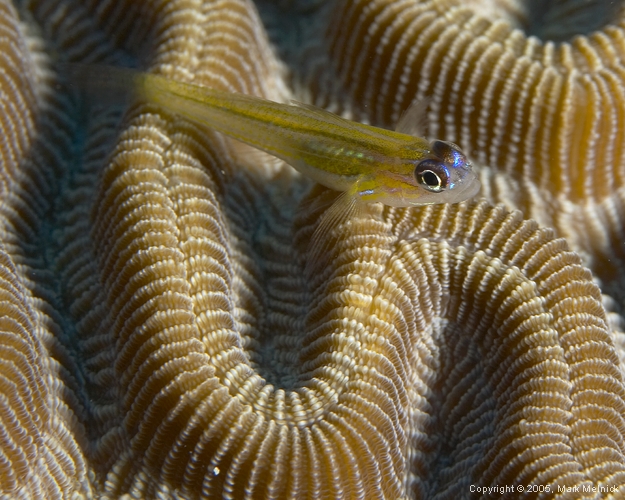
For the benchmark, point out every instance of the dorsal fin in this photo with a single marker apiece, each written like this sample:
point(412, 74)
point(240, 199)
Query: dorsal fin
point(413, 121)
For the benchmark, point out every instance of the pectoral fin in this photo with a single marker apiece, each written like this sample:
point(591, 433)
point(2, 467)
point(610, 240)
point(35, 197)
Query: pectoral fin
point(322, 243)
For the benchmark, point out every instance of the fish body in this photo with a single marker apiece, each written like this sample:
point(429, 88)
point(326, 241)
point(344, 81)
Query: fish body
point(370, 164)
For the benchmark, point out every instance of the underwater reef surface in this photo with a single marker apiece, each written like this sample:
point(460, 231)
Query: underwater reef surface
point(161, 334)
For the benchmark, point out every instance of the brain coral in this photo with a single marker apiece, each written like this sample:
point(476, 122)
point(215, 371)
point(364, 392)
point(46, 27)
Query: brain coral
point(161, 336)
point(543, 114)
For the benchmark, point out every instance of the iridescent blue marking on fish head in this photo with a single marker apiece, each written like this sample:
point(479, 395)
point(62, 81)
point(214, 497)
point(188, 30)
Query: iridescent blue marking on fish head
point(449, 153)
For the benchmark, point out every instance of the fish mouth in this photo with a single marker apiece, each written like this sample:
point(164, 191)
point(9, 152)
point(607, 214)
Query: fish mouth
point(466, 189)
point(471, 186)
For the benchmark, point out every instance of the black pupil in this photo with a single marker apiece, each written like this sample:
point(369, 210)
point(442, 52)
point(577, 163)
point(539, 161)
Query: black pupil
point(432, 174)
point(431, 179)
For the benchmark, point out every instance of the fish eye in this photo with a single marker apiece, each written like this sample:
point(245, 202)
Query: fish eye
point(449, 153)
point(432, 175)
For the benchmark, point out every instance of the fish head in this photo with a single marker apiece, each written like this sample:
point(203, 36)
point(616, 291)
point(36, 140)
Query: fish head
point(439, 174)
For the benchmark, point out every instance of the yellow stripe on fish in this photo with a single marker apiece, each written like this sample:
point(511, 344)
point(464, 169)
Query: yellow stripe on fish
point(369, 164)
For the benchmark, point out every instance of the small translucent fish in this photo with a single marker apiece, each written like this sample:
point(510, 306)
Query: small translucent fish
point(369, 164)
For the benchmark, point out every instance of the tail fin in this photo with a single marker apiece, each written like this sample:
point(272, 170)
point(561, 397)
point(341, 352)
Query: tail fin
point(102, 84)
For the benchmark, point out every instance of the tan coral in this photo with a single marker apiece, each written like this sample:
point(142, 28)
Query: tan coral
point(545, 119)
point(440, 348)
point(371, 356)
point(40, 439)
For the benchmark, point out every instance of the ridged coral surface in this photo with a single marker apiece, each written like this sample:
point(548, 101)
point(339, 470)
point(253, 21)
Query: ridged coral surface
point(161, 335)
